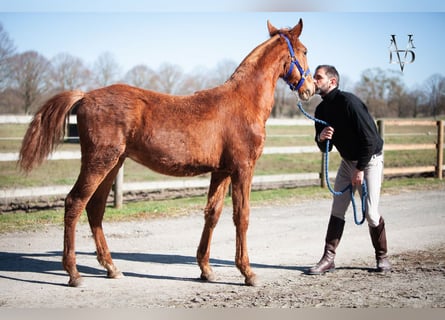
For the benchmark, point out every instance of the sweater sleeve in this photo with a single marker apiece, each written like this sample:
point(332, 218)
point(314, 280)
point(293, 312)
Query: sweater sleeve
point(318, 128)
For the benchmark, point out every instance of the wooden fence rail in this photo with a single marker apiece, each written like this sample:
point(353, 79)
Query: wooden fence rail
point(119, 186)
point(438, 146)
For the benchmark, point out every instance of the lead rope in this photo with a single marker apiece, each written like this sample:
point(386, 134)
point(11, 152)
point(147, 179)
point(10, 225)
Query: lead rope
point(326, 168)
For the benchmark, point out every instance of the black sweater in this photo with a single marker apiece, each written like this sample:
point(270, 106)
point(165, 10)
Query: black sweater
point(355, 133)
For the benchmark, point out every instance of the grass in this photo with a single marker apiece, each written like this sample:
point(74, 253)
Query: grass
point(65, 172)
point(142, 210)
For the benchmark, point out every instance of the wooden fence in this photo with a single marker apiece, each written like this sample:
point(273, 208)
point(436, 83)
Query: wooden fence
point(120, 187)
point(438, 146)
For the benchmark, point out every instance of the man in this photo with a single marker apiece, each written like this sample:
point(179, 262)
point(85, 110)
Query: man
point(353, 132)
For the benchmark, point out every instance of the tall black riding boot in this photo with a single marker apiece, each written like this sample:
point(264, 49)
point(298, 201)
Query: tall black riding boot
point(378, 237)
point(333, 236)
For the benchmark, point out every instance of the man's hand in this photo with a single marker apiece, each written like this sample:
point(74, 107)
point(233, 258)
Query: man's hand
point(326, 134)
point(357, 178)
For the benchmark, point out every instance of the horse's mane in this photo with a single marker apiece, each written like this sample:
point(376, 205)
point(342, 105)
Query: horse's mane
point(251, 60)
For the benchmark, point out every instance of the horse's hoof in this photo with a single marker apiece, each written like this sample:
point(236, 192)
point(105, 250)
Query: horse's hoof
point(251, 281)
point(75, 282)
point(208, 276)
point(115, 274)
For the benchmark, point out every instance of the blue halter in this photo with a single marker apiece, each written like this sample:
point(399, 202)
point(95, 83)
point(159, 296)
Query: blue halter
point(294, 62)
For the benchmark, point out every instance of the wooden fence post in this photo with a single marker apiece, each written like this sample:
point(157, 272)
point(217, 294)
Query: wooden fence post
point(118, 188)
point(439, 147)
point(381, 128)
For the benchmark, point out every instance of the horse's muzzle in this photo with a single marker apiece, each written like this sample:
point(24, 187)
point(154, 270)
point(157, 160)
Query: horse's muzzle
point(306, 94)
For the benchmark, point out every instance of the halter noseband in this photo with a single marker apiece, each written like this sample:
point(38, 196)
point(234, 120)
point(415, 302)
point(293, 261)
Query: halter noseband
point(294, 62)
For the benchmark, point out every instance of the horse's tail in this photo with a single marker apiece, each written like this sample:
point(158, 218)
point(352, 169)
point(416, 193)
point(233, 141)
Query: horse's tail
point(46, 130)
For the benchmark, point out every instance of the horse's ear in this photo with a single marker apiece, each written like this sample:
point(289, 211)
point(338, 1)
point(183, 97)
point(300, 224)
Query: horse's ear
point(296, 31)
point(272, 30)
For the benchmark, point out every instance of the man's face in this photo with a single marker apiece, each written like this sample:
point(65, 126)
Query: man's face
point(323, 84)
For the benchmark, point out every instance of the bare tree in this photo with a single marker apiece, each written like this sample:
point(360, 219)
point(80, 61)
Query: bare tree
point(170, 78)
point(224, 69)
point(197, 80)
point(142, 76)
point(418, 103)
point(7, 50)
point(106, 69)
point(280, 99)
point(381, 91)
point(408, 105)
point(69, 73)
point(434, 92)
point(397, 98)
point(30, 75)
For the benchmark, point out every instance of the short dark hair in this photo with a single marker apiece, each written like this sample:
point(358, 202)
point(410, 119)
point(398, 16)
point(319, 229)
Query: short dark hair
point(331, 72)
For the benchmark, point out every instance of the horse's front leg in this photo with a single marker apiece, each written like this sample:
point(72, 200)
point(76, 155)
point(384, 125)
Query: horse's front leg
point(215, 201)
point(241, 211)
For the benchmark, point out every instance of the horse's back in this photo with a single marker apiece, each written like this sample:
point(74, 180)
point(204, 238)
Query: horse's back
point(125, 100)
point(174, 135)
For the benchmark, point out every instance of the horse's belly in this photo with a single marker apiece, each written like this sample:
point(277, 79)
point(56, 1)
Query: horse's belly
point(174, 164)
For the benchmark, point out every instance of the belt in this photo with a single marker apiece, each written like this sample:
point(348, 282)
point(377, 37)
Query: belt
point(378, 154)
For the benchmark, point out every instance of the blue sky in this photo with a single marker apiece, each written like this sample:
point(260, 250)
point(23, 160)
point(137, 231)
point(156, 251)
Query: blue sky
point(197, 36)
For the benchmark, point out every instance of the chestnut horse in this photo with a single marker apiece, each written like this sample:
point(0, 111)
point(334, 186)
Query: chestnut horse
point(219, 130)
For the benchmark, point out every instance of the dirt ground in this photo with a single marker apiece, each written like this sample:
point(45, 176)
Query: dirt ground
point(157, 257)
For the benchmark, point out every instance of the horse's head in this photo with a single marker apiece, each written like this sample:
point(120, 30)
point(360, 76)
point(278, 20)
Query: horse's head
point(296, 70)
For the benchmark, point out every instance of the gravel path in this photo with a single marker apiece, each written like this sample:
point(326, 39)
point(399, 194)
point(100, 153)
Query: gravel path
point(157, 257)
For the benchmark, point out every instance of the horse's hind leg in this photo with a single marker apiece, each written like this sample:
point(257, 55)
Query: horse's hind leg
point(95, 211)
point(91, 176)
point(215, 201)
point(75, 203)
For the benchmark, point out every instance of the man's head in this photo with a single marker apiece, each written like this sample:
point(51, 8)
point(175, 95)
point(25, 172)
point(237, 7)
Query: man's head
point(326, 78)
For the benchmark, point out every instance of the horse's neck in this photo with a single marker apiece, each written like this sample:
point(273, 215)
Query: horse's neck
point(256, 77)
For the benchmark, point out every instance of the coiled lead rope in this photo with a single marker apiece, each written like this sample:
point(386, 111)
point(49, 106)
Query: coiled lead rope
point(326, 168)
